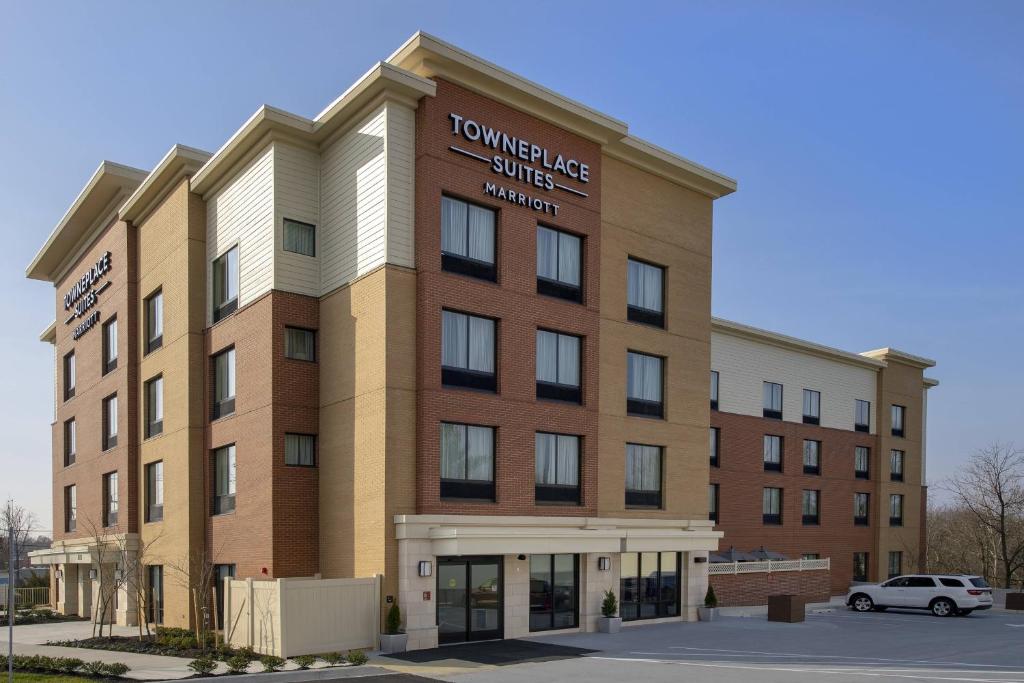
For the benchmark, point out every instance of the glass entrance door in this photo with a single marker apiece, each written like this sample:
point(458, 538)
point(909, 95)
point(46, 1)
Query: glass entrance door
point(469, 599)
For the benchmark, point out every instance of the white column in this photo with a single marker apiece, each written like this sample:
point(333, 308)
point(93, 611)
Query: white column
point(694, 579)
point(593, 584)
point(517, 596)
point(418, 610)
point(68, 602)
point(85, 589)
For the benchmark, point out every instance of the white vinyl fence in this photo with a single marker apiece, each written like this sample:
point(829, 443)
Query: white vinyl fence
point(290, 617)
point(768, 566)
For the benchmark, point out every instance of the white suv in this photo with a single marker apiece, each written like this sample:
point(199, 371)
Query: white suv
point(942, 594)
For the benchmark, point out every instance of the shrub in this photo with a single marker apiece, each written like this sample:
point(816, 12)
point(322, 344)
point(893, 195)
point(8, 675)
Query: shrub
point(357, 657)
point(304, 661)
point(224, 651)
point(394, 620)
point(710, 599)
point(203, 666)
point(96, 668)
point(238, 663)
point(116, 669)
point(65, 665)
point(332, 658)
point(610, 605)
point(271, 663)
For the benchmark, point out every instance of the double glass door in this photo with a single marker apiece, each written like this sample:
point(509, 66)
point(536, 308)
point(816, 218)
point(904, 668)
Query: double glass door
point(469, 599)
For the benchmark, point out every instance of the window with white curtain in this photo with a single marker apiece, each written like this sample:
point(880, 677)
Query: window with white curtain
point(557, 460)
point(713, 502)
point(467, 350)
point(862, 419)
point(110, 345)
point(300, 450)
point(861, 455)
point(643, 475)
point(69, 375)
point(772, 453)
point(225, 284)
point(299, 344)
point(812, 406)
point(898, 413)
point(154, 307)
point(716, 436)
point(224, 383)
point(558, 366)
point(771, 506)
point(896, 509)
point(467, 461)
point(299, 237)
point(645, 287)
point(154, 406)
point(467, 238)
point(110, 499)
point(772, 398)
point(559, 264)
point(644, 384)
point(155, 491)
point(896, 465)
point(714, 390)
point(860, 509)
point(812, 457)
point(224, 480)
point(810, 506)
point(110, 422)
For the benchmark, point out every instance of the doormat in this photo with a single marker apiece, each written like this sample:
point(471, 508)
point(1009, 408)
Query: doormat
point(495, 653)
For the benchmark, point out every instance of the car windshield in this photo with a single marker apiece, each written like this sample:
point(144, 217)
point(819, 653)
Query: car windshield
point(979, 582)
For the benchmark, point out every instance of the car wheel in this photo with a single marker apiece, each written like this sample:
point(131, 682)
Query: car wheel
point(943, 607)
point(862, 603)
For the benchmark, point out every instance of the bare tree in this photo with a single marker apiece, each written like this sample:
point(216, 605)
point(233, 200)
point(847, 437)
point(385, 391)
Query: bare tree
point(133, 555)
point(14, 516)
point(198, 574)
point(990, 487)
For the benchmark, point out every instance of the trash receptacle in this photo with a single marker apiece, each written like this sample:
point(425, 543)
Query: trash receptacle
point(786, 608)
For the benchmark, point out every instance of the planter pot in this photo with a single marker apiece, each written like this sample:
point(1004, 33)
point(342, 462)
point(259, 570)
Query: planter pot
point(609, 624)
point(1015, 601)
point(390, 644)
point(707, 613)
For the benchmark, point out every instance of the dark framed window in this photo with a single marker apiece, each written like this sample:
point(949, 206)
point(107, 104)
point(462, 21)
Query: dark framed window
point(69, 375)
point(643, 476)
point(467, 461)
point(110, 345)
point(862, 419)
point(225, 284)
point(861, 462)
point(716, 443)
point(772, 398)
point(812, 407)
point(860, 566)
point(558, 366)
point(898, 416)
point(812, 457)
point(299, 237)
point(70, 508)
point(714, 390)
point(299, 344)
point(224, 480)
point(154, 406)
point(155, 491)
point(645, 293)
point(559, 264)
point(644, 385)
point(896, 465)
point(554, 592)
point(468, 344)
point(713, 502)
point(154, 317)
point(468, 239)
point(557, 464)
point(155, 593)
point(861, 507)
point(110, 499)
point(224, 383)
point(70, 442)
point(109, 422)
point(896, 509)
point(220, 573)
point(772, 453)
point(896, 564)
point(771, 505)
point(649, 585)
point(300, 450)
point(811, 506)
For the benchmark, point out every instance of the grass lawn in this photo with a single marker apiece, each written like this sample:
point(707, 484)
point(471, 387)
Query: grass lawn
point(32, 678)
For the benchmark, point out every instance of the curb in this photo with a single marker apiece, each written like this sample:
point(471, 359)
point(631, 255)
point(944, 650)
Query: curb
point(324, 673)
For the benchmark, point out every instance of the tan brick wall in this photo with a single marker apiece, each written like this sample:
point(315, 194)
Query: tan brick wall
point(743, 590)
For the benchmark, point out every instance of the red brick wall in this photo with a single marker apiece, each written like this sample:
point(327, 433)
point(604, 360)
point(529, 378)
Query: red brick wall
point(743, 590)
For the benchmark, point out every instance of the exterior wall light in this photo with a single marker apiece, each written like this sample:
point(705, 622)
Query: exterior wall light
point(426, 568)
point(604, 563)
point(92, 573)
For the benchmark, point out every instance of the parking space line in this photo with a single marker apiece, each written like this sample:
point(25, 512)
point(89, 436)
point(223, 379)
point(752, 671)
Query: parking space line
point(716, 651)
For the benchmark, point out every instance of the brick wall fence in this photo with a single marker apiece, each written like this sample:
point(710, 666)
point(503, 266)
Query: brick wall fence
point(744, 590)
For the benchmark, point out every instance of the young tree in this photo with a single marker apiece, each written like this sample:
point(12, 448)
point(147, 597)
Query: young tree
point(14, 516)
point(197, 574)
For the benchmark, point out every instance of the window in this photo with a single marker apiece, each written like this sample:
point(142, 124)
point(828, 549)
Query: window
point(896, 465)
point(70, 442)
point(862, 420)
point(300, 449)
point(467, 351)
point(299, 344)
point(558, 366)
point(221, 572)
point(812, 407)
point(225, 284)
point(861, 458)
point(110, 345)
point(154, 406)
point(645, 292)
point(155, 491)
point(299, 237)
point(810, 556)
point(713, 502)
point(155, 594)
point(810, 507)
point(860, 509)
point(467, 461)
point(812, 457)
point(554, 591)
point(771, 506)
point(467, 239)
point(896, 565)
point(714, 390)
point(154, 321)
point(860, 566)
point(110, 499)
point(70, 508)
point(897, 420)
point(643, 476)
point(109, 422)
point(557, 468)
point(69, 375)
point(896, 509)
point(224, 480)
point(772, 400)
point(716, 437)
point(643, 385)
point(224, 383)
point(949, 583)
point(649, 585)
point(559, 260)
point(772, 453)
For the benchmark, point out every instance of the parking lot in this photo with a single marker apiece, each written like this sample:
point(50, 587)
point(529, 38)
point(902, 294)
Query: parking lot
point(837, 646)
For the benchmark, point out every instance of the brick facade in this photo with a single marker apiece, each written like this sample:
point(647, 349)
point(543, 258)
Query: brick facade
point(743, 590)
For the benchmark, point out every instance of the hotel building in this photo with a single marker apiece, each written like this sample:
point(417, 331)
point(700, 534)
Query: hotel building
point(454, 331)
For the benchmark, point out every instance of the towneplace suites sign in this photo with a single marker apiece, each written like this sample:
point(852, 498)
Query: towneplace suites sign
point(519, 159)
point(84, 295)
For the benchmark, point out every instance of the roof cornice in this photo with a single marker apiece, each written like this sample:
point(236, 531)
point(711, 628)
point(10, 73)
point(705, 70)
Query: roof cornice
point(49, 335)
point(793, 344)
point(180, 161)
point(888, 354)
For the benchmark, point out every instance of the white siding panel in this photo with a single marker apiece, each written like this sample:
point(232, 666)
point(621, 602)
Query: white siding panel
point(401, 143)
point(296, 196)
point(744, 365)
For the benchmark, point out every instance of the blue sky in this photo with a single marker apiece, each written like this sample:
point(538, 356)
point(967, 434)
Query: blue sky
point(878, 148)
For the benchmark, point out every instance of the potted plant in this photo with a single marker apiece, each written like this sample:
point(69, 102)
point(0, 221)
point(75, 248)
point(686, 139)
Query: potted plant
point(608, 622)
point(393, 640)
point(710, 609)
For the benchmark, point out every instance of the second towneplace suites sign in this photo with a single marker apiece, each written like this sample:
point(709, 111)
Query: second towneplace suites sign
point(522, 160)
point(83, 296)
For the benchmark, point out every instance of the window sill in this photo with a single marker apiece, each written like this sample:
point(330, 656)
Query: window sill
point(460, 265)
point(808, 420)
point(457, 378)
point(560, 290)
point(645, 316)
point(559, 392)
point(862, 428)
point(816, 471)
point(772, 414)
point(772, 467)
point(647, 409)
point(861, 475)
